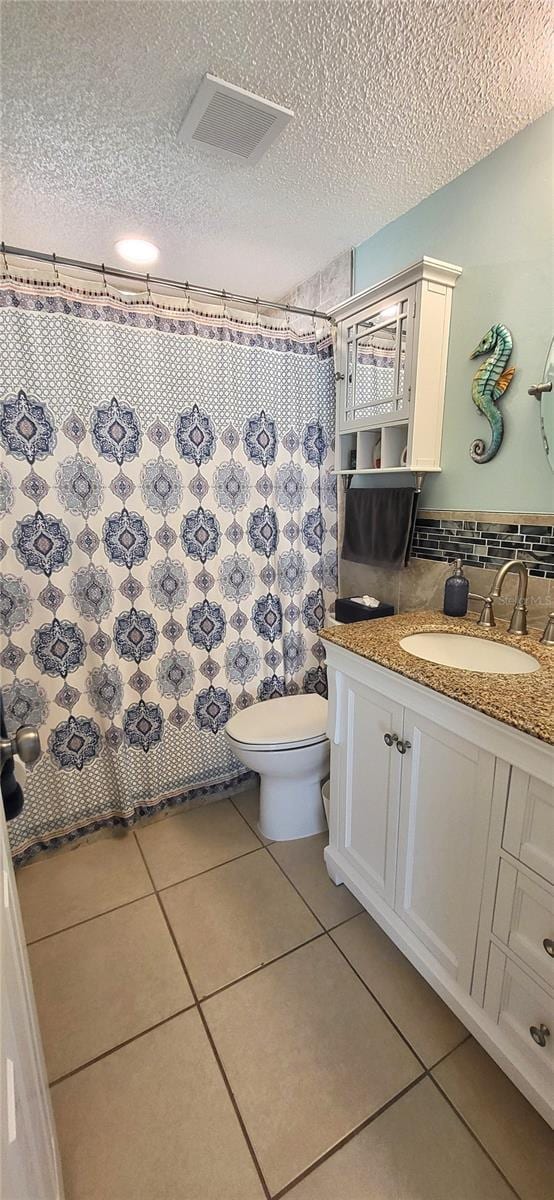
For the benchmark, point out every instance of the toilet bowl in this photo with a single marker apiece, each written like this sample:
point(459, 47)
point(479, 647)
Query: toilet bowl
point(285, 741)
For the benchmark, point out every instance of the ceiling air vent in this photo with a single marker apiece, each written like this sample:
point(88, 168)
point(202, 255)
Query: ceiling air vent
point(227, 120)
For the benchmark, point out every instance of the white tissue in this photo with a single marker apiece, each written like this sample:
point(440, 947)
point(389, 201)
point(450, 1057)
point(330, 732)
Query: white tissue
point(369, 601)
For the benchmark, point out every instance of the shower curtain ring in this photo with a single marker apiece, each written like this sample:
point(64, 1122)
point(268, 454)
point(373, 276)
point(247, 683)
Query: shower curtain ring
point(187, 294)
point(313, 319)
point(6, 268)
point(257, 310)
point(224, 298)
point(104, 278)
point(148, 292)
point(54, 264)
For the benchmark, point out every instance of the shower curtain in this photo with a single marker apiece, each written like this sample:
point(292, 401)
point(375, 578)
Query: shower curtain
point(168, 523)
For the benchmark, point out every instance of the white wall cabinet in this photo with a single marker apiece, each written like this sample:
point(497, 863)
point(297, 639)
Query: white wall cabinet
point(440, 820)
point(391, 354)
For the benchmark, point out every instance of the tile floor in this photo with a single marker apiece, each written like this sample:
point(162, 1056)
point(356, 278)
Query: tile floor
point(221, 1023)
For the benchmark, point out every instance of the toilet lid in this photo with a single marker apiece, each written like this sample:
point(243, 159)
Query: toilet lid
point(287, 721)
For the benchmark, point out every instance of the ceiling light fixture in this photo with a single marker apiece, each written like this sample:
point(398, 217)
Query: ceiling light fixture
point(138, 251)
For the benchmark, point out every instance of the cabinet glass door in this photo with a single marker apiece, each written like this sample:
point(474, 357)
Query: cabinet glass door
point(377, 345)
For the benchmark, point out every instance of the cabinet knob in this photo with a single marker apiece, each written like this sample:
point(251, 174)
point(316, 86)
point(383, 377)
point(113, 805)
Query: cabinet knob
point(403, 746)
point(390, 738)
point(539, 1033)
point(548, 944)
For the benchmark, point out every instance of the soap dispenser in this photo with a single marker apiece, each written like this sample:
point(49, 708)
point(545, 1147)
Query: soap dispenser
point(456, 592)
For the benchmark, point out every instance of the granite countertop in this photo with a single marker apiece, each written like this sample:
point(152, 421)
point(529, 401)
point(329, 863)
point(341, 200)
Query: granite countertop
point(523, 701)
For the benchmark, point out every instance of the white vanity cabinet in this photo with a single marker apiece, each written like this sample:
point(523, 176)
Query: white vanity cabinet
point(441, 823)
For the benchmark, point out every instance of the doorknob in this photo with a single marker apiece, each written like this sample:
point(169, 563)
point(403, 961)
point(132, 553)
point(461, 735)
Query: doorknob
point(25, 743)
point(403, 746)
point(390, 738)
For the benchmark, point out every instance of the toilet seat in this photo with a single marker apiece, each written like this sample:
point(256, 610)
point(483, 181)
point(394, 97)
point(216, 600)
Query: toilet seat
point(286, 723)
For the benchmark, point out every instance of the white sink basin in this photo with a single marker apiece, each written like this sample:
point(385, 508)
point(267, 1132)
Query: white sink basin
point(469, 653)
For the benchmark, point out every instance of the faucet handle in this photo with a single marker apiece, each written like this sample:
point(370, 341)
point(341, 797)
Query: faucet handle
point(486, 618)
point(547, 638)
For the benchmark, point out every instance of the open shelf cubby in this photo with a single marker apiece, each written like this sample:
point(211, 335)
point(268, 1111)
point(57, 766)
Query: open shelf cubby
point(383, 448)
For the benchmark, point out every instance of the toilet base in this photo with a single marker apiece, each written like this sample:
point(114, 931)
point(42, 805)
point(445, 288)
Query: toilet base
point(290, 787)
point(290, 809)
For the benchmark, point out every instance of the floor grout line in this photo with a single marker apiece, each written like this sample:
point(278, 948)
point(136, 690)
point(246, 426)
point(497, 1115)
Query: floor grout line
point(345, 920)
point(380, 1005)
point(256, 970)
point(348, 1137)
point(206, 871)
point(120, 1045)
point(252, 828)
point(197, 1003)
point(234, 1103)
point(449, 1052)
point(425, 1074)
point(297, 890)
point(461, 1118)
point(132, 833)
point(87, 920)
point(267, 846)
point(213, 1046)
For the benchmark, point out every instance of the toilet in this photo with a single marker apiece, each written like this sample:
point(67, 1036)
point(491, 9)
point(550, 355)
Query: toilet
point(285, 741)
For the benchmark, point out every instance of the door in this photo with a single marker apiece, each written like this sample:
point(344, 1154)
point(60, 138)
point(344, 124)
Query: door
point(446, 797)
point(369, 785)
point(29, 1164)
point(374, 356)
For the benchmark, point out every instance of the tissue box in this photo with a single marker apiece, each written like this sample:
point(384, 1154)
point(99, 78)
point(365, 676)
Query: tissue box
point(350, 610)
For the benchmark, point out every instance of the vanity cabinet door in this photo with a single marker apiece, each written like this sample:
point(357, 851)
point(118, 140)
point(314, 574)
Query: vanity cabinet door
point(446, 796)
point(369, 785)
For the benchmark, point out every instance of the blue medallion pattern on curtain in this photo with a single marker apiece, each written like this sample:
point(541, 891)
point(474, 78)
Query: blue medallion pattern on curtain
point(168, 540)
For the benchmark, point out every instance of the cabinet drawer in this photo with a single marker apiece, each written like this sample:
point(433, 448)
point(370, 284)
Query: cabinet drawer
point(524, 920)
point(518, 1005)
point(529, 827)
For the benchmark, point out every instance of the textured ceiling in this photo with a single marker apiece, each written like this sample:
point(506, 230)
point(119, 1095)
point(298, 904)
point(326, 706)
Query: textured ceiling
point(393, 99)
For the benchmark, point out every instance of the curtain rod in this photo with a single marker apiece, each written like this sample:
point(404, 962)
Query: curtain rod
point(100, 269)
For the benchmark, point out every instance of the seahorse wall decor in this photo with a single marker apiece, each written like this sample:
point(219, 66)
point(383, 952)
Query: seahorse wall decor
point(489, 384)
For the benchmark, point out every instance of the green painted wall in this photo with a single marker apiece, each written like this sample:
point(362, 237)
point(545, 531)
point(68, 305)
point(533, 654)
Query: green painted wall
point(495, 221)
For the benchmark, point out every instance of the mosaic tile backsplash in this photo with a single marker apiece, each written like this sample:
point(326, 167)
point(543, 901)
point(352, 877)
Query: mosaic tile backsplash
point(485, 543)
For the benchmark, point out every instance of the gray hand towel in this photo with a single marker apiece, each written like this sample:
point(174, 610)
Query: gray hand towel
point(379, 525)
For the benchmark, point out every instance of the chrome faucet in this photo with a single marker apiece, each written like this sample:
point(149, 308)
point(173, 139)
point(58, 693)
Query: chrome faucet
point(518, 623)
